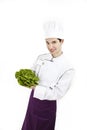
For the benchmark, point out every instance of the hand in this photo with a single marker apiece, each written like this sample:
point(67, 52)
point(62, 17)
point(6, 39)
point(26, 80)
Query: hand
point(32, 87)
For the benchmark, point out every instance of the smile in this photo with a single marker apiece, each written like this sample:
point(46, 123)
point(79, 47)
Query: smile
point(52, 50)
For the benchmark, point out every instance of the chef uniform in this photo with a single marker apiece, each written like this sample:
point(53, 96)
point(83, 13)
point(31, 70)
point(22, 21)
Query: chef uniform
point(55, 76)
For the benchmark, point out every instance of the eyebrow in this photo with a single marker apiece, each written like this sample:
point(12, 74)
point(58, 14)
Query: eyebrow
point(51, 42)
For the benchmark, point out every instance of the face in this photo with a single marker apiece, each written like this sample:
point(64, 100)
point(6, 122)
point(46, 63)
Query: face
point(54, 46)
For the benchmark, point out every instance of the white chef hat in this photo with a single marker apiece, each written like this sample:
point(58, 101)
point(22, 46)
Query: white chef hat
point(53, 29)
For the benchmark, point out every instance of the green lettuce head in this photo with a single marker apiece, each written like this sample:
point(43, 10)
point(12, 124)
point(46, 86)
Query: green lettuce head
point(26, 77)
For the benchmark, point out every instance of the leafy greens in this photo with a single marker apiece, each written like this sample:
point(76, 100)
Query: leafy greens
point(26, 77)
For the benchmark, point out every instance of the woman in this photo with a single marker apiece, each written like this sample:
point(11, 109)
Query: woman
point(55, 75)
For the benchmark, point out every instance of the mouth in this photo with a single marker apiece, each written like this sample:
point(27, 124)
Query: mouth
point(52, 50)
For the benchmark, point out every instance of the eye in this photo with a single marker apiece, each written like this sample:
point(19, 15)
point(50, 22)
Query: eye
point(53, 42)
point(47, 42)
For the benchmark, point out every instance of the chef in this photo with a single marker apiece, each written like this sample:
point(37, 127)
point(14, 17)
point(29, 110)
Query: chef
point(55, 74)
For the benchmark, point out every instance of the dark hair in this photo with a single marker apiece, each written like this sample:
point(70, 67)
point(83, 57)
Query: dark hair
point(59, 39)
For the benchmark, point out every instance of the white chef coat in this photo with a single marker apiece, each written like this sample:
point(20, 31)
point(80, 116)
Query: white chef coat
point(55, 76)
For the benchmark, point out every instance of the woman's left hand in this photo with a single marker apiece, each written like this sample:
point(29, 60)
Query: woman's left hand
point(32, 87)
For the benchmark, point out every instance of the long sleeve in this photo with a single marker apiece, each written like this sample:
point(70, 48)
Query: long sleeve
point(58, 89)
point(34, 64)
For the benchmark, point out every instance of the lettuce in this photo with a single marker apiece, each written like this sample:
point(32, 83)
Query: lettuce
point(26, 77)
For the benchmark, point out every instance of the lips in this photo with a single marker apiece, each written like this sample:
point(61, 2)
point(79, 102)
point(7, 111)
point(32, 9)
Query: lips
point(52, 50)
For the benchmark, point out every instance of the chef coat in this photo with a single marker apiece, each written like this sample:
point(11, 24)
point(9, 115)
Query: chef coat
point(55, 76)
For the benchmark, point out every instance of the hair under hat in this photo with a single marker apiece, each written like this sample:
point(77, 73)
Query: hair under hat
point(53, 29)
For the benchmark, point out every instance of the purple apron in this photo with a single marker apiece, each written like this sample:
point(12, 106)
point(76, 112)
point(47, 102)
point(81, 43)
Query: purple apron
point(40, 115)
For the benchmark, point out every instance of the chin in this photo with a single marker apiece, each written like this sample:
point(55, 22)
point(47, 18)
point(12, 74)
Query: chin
point(52, 52)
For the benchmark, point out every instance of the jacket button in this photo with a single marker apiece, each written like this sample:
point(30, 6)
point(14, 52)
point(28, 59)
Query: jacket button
point(42, 63)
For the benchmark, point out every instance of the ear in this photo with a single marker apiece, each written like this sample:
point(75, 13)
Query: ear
point(62, 40)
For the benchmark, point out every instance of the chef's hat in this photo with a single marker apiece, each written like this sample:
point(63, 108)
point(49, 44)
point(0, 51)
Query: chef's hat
point(53, 29)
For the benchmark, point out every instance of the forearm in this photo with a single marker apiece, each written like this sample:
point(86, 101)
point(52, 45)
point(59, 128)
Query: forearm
point(56, 91)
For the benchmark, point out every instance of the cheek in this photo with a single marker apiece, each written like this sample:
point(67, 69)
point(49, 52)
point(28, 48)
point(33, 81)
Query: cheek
point(47, 47)
point(55, 47)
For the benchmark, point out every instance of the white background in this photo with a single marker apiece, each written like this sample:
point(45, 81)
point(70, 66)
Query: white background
point(22, 40)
